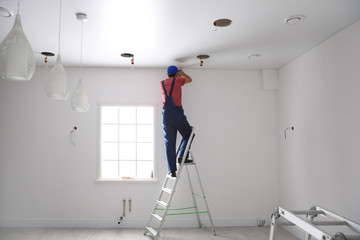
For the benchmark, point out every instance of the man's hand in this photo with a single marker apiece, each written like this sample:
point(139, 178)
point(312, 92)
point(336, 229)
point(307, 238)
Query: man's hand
point(184, 75)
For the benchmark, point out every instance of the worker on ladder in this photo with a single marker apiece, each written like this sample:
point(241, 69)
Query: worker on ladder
point(173, 117)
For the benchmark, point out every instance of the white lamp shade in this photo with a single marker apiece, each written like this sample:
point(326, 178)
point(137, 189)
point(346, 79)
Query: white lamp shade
point(57, 86)
point(80, 100)
point(17, 59)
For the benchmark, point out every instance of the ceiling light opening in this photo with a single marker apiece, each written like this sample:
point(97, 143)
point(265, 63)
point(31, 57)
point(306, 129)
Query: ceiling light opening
point(202, 57)
point(254, 56)
point(47, 54)
point(224, 22)
point(129, 55)
point(294, 19)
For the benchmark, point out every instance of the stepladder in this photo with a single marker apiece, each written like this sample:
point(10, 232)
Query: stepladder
point(163, 205)
point(317, 223)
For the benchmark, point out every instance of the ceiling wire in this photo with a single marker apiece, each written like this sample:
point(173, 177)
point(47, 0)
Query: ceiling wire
point(81, 46)
point(59, 26)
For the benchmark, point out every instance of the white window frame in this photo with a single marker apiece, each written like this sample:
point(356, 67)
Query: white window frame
point(99, 125)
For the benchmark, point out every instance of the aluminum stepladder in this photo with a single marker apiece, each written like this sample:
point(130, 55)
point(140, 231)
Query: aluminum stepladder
point(311, 227)
point(158, 215)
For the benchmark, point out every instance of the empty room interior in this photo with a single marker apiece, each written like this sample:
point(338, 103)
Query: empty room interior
point(270, 88)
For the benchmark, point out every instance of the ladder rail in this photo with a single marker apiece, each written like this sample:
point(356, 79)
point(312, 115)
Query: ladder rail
point(206, 203)
point(165, 211)
point(350, 224)
point(186, 151)
point(193, 197)
point(154, 210)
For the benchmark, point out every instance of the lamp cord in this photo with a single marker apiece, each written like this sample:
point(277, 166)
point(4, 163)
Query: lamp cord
point(81, 46)
point(18, 6)
point(59, 26)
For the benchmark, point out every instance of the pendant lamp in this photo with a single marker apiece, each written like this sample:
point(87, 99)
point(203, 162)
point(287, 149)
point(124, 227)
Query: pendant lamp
point(80, 100)
point(57, 86)
point(17, 59)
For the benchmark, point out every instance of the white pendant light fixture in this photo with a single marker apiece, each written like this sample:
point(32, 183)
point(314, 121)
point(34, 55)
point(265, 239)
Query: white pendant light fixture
point(17, 59)
point(57, 86)
point(80, 100)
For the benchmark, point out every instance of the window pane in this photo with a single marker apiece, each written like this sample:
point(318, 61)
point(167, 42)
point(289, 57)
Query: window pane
point(145, 115)
point(109, 169)
point(127, 151)
point(109, 151)
point(127, 133)
point(110, 133)
point(109, 114)
point(145, 169)
point(145, 151)
point(127, 115)
point(145, 133)
point(127, 169)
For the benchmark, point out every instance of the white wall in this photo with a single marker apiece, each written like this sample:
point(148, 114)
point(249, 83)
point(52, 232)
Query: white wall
point(319, 95)
point(46, 181)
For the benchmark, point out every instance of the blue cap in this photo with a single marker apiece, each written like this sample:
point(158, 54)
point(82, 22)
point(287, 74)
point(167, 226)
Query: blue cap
point(172, 70)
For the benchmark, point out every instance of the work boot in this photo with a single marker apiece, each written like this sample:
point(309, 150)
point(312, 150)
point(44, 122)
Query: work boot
point(173, 174)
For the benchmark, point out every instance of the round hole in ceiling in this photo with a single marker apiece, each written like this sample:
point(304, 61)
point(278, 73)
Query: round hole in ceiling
point(223, 22)
point(127, 55)
point(203, 56)
point(254, 55)
point(294, 19)
point(48, 54)
point(81, 16)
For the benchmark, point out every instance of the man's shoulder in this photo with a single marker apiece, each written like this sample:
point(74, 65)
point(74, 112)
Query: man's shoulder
point(180, 80)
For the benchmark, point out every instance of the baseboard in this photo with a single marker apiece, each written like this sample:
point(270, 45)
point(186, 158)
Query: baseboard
point(170, 223)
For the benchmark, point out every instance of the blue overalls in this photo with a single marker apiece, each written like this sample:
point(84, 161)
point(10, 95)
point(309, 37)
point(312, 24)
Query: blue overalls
point(174, 120)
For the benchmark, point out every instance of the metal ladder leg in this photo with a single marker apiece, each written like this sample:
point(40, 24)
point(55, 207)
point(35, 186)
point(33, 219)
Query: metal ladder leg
point(206, 204)
point(310, 218)
point(274, 216)
point(193, 196)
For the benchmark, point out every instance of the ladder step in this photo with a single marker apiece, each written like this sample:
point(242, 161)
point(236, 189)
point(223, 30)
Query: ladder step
point(188, 163)
point(152, 231)
point(161, 203)
point(157, 217)
point(168, 190)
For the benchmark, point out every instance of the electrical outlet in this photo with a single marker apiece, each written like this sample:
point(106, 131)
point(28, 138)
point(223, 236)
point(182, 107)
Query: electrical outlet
point(260, 222)
point(121, 218)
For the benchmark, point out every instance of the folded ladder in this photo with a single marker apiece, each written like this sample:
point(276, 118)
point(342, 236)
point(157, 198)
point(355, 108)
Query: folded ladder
point(163, 203)
point(311, 226)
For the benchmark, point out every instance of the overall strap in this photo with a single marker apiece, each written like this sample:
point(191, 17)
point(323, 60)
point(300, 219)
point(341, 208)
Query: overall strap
point(172, 86)
point(163, 85)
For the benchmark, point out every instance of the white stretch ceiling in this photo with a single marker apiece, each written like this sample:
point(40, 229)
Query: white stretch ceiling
point(164, 32)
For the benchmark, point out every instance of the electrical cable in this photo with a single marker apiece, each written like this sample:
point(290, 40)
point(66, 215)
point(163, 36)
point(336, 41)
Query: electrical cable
point(70, 136)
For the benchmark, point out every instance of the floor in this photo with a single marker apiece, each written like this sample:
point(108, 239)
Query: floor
point(223, 233)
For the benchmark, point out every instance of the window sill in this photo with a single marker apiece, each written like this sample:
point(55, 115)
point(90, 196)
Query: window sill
point(116, 180)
